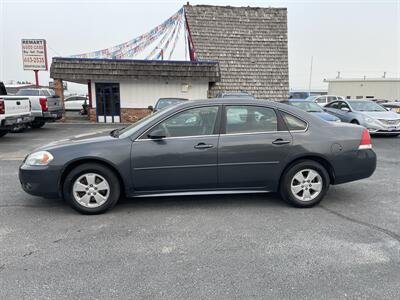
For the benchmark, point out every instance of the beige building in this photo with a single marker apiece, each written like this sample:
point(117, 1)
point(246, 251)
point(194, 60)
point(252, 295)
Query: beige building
point(378, 88)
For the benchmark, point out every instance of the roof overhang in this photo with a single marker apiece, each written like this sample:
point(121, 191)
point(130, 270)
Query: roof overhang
point(81, 70)
point(363, 80)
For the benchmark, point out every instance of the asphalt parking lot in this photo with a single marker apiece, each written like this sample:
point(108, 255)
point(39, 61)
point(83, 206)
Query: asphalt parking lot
point(224, 247)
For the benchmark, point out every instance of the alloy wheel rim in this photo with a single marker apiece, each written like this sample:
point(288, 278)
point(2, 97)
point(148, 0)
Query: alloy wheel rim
point(306, 185)
point(91, 190)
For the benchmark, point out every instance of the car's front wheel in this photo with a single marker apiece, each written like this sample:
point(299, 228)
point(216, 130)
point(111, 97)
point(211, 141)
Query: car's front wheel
point(91, 188)
point(304, 184)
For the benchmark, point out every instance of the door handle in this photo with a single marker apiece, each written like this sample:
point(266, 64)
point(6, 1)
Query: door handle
point(280, 142)
point(203, 146)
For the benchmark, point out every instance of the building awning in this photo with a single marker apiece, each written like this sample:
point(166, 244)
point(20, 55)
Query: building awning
point(81, 70)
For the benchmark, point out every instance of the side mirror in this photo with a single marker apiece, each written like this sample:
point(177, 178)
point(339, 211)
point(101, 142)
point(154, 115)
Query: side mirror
point(346, 109)
point(157, 134)
point(150, 107)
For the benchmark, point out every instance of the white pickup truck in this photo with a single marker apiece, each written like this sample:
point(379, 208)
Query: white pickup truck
point(46, 106)
point(14, 111)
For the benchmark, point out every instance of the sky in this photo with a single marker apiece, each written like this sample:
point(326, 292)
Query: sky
point(355, 38)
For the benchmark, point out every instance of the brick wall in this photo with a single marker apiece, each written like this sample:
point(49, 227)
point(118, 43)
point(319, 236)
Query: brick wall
point(250, 44)
point(132, 115)
point(92, 115)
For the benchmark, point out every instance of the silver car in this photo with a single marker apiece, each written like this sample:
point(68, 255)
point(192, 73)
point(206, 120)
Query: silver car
point(369, 114)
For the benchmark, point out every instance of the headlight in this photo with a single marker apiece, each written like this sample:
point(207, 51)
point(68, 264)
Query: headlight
point(40, 158)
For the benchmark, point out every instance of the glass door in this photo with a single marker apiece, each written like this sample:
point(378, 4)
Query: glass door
point(107, 102)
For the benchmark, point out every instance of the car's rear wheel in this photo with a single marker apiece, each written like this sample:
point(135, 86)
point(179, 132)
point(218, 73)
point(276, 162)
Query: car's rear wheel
point(91, 188)
point(304, 184)
point(3, 132)
point(38, 124)
point(355, 122)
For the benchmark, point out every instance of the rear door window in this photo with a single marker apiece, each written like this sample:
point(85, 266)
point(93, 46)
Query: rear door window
point(250, 119)
point(293, 123)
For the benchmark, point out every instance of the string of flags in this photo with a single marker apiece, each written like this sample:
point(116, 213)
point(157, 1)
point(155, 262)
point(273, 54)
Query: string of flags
point(166, 34)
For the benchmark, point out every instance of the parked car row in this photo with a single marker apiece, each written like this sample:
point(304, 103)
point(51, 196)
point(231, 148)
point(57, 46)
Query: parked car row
point(29, 107)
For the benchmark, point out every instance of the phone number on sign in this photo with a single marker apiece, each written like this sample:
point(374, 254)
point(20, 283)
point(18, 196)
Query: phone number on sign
point(34, 59)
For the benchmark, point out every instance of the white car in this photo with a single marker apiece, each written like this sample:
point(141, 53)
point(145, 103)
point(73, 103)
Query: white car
point(324, 99)
point(74, 102)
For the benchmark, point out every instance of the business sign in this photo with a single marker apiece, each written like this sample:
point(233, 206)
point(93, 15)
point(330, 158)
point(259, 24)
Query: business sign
point(34, 54)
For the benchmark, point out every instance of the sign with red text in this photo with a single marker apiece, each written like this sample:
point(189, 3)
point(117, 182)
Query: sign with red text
point(34, 54)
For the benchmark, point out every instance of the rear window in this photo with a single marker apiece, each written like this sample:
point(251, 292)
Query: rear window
point(294, 123)
point(28, 92)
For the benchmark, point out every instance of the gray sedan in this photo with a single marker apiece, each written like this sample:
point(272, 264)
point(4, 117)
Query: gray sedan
point(369, 114)
point(215, 146)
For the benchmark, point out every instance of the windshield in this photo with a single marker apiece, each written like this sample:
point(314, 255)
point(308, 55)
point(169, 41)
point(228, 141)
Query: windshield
point(162, 103)
point(366, 106)
point(28, 92)
point(299, 95)
point(307, 106)
point(129, 130)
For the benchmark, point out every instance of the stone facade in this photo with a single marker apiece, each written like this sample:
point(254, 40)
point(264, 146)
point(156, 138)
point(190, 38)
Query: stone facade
point(250, 44)
point(132, 115)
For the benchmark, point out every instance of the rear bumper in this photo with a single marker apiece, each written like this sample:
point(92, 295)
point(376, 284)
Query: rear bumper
point(356, 165)
point(40, 181)
point(10, 122)
point(52, 115)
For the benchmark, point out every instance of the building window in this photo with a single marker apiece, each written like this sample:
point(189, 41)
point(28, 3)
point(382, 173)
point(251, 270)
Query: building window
point(359, 97)
point(348, 97)
point(370, 97)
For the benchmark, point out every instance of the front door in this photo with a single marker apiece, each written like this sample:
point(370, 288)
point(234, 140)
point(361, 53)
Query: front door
point(178, 154)
point(252, 150)
point(107, 102)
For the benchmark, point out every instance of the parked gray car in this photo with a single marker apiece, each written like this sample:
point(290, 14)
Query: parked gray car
point(215, 146)
point(369, 114)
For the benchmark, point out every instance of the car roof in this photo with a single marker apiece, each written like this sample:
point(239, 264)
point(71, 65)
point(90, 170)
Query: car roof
point(173, 98)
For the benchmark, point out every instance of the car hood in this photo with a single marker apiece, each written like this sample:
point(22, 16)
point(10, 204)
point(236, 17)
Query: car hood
point(325, 116)
point(384, 115)
point(94, 137)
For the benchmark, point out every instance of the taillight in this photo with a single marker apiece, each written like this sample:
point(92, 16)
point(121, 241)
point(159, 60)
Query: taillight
point(365, 140)
point(2, 108)
point(43, 104)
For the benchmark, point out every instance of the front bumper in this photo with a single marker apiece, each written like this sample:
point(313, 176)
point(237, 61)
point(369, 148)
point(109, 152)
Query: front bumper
point(378, 128)
point(40, 181)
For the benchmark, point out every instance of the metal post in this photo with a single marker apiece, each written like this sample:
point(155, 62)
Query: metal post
point(309, 82)
point(36, 77)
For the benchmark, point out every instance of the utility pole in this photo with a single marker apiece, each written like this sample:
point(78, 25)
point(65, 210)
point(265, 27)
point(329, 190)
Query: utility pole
point(309, 82)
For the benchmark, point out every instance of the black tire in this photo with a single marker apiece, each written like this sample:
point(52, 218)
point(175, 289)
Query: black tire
point(18, 129)
point(288, 176)
point(38, 124)
point(103, 171)
point(3, 132)
point(355, 122)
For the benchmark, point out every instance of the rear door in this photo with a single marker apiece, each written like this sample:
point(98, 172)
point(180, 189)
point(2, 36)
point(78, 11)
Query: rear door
point(252, 148)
